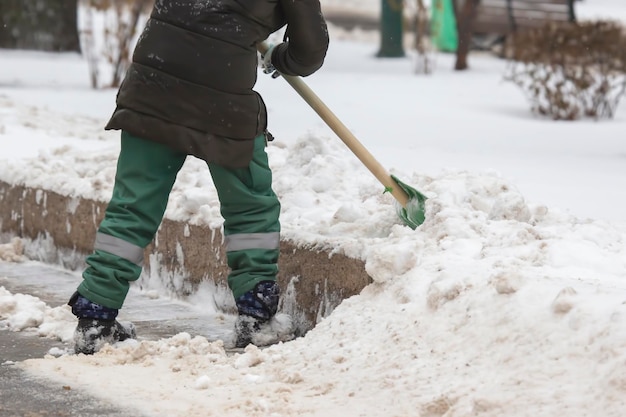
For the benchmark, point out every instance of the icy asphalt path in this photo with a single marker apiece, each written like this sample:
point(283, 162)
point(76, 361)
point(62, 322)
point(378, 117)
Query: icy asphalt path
point(22, 395)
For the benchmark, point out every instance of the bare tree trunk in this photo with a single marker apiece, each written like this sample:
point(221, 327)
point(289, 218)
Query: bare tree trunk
point(465, 21)
point(125, 36)
point(47, 25)
point(422, 42)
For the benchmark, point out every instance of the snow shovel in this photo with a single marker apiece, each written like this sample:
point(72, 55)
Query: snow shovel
point(411, 202)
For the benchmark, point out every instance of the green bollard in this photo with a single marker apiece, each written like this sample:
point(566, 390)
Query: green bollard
point(391, 29)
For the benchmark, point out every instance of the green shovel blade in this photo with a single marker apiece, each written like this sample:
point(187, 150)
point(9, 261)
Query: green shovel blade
point(414, 213)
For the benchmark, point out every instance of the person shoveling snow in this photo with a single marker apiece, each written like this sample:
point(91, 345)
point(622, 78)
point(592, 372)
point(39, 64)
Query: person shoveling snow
point(190, 92)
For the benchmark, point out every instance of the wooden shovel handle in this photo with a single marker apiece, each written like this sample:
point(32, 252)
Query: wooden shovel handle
point(344, 134)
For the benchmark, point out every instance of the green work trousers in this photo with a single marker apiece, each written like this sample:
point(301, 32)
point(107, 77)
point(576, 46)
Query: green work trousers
point(146, 172)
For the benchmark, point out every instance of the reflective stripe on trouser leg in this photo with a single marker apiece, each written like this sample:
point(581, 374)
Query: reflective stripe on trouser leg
point(246, 241)
point(146, 172)
point(116, 246)
point(250, 209)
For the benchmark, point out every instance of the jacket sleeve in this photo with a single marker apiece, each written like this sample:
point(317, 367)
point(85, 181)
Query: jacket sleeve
point(306, 43)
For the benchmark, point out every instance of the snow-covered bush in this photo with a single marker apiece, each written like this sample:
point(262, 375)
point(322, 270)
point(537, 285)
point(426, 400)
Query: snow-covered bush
point(108, 30)
point(570, 71)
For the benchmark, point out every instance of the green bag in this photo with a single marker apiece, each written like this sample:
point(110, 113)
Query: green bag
point(443, 26)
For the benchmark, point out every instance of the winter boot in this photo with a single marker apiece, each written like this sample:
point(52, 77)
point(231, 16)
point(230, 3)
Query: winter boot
point(97, 326)
point(256, 307)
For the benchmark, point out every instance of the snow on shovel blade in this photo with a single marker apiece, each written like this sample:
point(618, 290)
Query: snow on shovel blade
point(413, 214)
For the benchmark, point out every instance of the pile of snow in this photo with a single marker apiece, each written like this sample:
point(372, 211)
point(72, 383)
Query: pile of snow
point(12, 251)
point(23, 312)
point(493, 307)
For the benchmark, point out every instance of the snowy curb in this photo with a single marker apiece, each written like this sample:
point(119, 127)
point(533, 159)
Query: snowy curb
point(350, 18)
point(61, 230)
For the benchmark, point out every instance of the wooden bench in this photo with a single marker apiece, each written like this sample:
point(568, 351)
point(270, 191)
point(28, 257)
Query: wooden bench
point(503, 17)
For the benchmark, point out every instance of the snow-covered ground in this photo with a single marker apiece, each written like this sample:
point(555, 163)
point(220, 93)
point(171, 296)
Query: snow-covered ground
point(510, 300)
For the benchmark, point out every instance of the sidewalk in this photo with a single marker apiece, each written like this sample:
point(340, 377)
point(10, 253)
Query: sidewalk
point(22, 395)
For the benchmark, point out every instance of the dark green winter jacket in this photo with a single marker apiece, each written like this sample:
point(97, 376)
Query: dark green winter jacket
point(190, 85)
